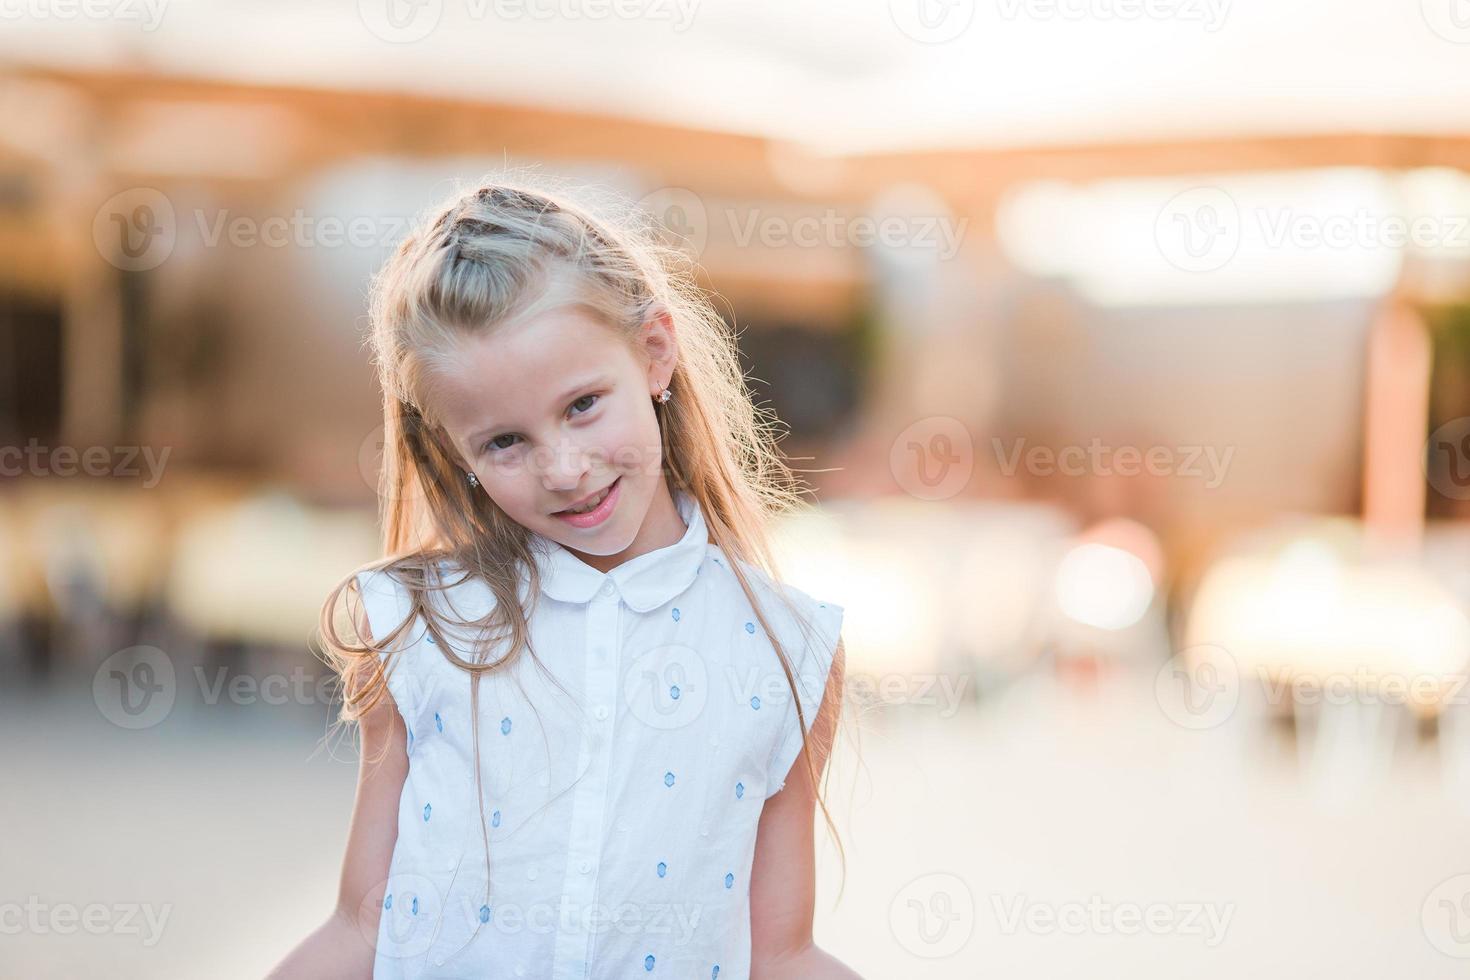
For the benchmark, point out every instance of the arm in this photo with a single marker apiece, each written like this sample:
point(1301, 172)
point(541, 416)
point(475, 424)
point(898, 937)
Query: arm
point(783, 881)
point(343, 946)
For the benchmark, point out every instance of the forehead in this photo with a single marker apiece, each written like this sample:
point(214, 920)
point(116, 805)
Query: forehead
point(516, 371)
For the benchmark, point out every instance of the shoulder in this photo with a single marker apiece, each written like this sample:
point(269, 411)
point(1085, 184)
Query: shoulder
point(812, 621)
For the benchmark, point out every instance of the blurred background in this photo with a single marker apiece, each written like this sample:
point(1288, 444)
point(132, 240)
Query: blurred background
point(1125, 344)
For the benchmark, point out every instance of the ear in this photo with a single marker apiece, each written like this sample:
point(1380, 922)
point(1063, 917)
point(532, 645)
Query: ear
point(657, 341)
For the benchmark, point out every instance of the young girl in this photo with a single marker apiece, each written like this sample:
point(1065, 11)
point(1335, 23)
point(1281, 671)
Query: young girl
point(593, 719)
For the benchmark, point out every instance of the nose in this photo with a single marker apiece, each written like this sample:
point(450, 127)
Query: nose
point(564, 467)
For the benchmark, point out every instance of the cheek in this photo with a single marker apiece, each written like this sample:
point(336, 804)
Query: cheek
point(631, 442)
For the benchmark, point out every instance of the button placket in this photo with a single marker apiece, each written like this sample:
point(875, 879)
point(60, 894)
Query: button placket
point(584, 851)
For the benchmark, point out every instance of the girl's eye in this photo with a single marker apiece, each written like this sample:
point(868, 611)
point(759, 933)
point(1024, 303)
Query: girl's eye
point(496, 444)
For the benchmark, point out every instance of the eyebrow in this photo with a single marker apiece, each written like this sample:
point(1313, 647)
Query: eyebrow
point(587, 382)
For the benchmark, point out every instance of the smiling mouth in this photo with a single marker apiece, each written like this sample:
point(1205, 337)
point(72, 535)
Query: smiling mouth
point(591, 502)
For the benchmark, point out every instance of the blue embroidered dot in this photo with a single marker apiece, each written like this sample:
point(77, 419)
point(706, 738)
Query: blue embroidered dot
point(715, 972)
point(388, 902)
point(648, 962)
point(427, 810)
point(505, 726)
point(663, 869)
point(432, 641)
point(755, 703)
point(739, 791)
point(438, 722)
point(750, 627)
point(729, 880)
point(676, 614)
point(484, 913)
point(495, 819)
point(668, 779)
point(415, 909)
point(674, 692)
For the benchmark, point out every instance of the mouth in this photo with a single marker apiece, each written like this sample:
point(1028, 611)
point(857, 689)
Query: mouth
point(595, 509)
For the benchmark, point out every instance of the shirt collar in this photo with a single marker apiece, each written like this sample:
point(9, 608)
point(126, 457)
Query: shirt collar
point(645, 582)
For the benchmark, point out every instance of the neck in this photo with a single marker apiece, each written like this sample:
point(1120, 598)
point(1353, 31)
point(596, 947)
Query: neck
point(662, 526)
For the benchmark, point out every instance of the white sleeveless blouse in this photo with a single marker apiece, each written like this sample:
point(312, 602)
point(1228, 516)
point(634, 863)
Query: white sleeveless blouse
point(622, 805)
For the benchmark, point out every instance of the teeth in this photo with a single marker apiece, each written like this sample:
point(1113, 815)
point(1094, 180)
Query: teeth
point(591, 504)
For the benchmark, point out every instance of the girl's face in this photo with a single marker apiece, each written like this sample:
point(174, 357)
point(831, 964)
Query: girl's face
point(555, 411)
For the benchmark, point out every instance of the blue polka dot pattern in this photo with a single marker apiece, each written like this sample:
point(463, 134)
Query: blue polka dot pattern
point(556, 757)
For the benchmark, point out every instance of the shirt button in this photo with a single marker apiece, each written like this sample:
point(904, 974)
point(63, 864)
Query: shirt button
point(601, 712)
point(585, 866)
point(607, 588)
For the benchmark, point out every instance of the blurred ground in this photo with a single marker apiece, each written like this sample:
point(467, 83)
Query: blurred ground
point(1050, 800)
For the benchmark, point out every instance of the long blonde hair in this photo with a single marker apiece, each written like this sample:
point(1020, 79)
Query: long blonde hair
point(483, 258)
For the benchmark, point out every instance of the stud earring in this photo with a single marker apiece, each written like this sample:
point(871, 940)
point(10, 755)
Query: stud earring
point(664, 395)
point(474, 480)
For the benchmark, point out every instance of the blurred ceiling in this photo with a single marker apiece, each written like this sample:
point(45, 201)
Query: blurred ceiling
point(862, 76)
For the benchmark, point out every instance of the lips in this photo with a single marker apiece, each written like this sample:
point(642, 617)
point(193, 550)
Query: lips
point(590, 502)
point(600, 504)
